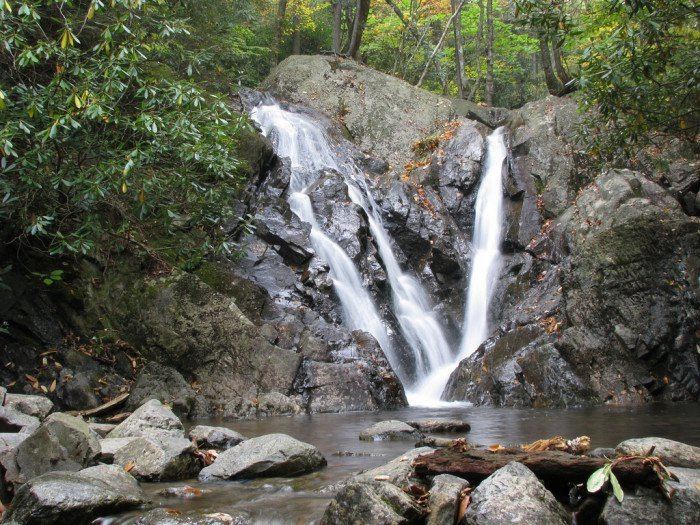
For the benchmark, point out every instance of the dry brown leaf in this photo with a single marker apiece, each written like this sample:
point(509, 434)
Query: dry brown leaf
point(496, 448)
point(52, 387)
point(381, 477)
point(129, 466)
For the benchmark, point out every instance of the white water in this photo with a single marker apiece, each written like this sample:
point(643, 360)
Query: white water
point(301, 140)
point(486, 263)
point(305, 144)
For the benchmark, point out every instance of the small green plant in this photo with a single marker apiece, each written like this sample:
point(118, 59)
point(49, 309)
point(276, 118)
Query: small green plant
point(49, 278)
point(597, 481)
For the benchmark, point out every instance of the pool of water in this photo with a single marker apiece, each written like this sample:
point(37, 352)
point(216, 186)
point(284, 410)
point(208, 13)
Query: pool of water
point(302, 500)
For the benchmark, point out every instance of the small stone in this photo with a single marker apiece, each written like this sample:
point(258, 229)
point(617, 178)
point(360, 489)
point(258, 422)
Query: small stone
point(12, 420)
point(444, 500)
point(36, 406)
point(102, 429)
point(167, 459)
point(218, 438)
point(150, 420)
point(391, 430)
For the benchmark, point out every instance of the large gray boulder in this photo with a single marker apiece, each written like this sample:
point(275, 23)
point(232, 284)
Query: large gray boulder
point(36, 406)
point(649, 507)
point(672, 453)
point(62, 442)
point(218, 438)
point(109, 446)
point(151, 420)
point(164, 459)
point(383, 115)
point(440, 425)
point(182, 322)
point(74, 497)
point(513, 494)
point(372, 503)
point(391, 430)
point(445, 497)
point(164, 516)
point(271, 455)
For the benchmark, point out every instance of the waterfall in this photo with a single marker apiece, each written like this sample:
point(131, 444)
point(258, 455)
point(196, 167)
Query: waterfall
point(298, 138)
point(486, 262)
point(308, 150)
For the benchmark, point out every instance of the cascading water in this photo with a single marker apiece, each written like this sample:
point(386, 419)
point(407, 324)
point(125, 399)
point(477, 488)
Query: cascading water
point(486, 261)
point(301, 140)
point(305, 144)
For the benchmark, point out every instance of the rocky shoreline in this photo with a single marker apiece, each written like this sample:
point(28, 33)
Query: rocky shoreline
point(59, 468)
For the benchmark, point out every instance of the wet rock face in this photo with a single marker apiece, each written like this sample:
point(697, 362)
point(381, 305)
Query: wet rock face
point(371, 104)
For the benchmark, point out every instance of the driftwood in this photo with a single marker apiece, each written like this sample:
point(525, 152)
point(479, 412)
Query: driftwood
point(104, 408)
point(557, 470)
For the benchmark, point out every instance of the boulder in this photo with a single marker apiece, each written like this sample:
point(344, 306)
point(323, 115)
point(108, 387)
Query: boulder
point(372, 503)
point(513, 494)
point(218, 438)
point(671, 453)
point(151, 420)
point(649, 507)
point(445, 497)
point(391, 430)
point(271, 455)
point(440, 425)
point(384, 116)
point(74, 497)
point(36, 406)
point(164, 459)
point(398, 471)
point(62, 442)
point(164, 383)
point(270, 404)
point(12, 420)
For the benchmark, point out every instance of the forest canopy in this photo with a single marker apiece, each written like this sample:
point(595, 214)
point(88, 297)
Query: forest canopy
point(116, 121)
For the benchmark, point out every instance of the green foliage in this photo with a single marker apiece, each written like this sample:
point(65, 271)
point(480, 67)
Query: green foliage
point(600, 477)
point(641, 75)
point(94, 146)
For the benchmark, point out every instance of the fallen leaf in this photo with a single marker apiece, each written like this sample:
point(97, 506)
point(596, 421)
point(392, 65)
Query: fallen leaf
point(52, 388)
point(381, 477)
point(496, 448)
point(129, 466)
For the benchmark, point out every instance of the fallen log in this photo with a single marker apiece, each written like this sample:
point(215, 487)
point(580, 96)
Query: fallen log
point(104, 408)
point(557, 470)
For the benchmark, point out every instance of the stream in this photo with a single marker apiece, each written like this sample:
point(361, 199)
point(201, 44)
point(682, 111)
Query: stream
point(301, 500)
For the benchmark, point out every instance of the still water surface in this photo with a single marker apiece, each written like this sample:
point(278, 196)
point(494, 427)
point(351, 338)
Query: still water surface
point(301, 500)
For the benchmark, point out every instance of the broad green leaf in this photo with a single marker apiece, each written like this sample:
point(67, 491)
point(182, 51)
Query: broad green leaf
point(617, 489)
point(597, 480)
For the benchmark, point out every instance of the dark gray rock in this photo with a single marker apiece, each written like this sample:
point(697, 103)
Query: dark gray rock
point(439, 425)
point(649, 507)
point(270, 404)
point(671, 453)
point(218, 438)
point(74, 497)
point(164, 459)
point(372, 503)
point(36, 406)
point(601, 452)
point(150, 420)
point(391, 430)
point(445, 496)
point(164, 383)
point(62, 442)
point(513, 494)
point(271, 455)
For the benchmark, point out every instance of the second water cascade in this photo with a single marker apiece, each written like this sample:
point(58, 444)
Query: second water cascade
point(310, 152)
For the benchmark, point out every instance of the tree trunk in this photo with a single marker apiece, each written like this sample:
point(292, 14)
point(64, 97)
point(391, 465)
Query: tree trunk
point(358, 27)
point(296, 43)
point(337, 21)
point(554, 85)
point(559, 67)
point(479, 47)
point(489, 52)
point(439, 44)
point(279, 30)
point(459, 51)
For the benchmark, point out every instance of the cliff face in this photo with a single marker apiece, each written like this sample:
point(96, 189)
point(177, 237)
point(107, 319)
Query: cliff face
point(597, 299)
